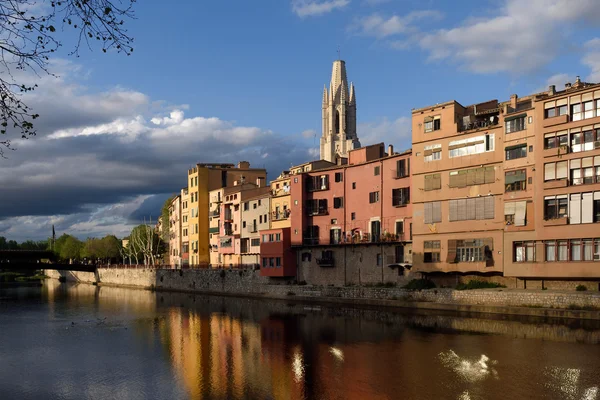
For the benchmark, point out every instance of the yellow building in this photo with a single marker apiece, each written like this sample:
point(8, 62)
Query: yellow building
point(280, 201)
point(201, 180)
point(214, 224)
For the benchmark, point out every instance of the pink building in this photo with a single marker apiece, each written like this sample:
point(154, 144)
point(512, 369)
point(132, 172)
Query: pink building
point(352, 223)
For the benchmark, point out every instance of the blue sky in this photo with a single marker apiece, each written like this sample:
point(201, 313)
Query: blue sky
point(231, 80)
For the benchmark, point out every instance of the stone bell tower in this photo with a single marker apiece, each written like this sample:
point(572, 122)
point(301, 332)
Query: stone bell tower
point(339, 116)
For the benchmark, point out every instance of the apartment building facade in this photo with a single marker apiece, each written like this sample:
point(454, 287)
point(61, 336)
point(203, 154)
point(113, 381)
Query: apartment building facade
point(565, 240)
point(175, 231)
point(185, 239)
point(255, 219)
point(202, 179)
point(280, 201)
point(351, 224)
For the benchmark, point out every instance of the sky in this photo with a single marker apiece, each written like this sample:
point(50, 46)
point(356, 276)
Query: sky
point(231, 80)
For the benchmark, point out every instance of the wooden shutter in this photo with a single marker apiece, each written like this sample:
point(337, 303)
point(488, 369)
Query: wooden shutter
point(479, 176)
point(490, 175)
point(520, 212)
point(428, 182)
point(451, 257)
point(510, 208)
point(461, 209)
point(479, 208)
point(489, 207)
point(453, 179)
point(471, 204)
point(453, 210)
point(427, 213)
point(436, 211)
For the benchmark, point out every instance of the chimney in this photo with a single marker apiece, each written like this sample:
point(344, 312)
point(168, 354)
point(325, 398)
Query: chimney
point(259, 182)
point(243, 165)
point(235, 183)
point(390, 150)
point(551, 90)
point(513, 101)
point(568, 85)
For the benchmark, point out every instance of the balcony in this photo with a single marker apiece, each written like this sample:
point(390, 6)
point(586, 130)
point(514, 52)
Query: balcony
point(556, 183)
point(400, 173)
point(214, 213)
point(556, 151)
point(310, 241)
point(229, 232)
point(475, 122)
point(228, 215)
point(556, 221)
point(280, 215)
point(213, 229)
point(318, 211)
point(252, 229)
point(561, 119)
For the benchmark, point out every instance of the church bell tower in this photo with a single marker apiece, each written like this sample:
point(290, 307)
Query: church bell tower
point(339, 116)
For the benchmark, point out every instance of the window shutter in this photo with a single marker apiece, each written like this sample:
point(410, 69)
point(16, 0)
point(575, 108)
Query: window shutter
point(451, 257)
point(461, 209)
point(454, 180)
point(427, 213)
point(561, 170)
point(490, 175)
point(437, 181)
point(437, 211)
point(520, 212)
point(575, 209)
point(479, 176)
point(489, 207)
point(428, 182)
point(510, 208)
point(427, 153)
point(479, 208)
point(549, 172)
point(408, 166)
point(453, 205)
point(587, 162)
point(587, 208)
point(471, 204)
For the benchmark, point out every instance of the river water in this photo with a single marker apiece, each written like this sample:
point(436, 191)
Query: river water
point(69, 341)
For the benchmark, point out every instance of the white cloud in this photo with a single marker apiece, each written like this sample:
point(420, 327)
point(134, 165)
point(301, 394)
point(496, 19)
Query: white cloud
point(309, 134)
point(592, 59)
point(381, 27)
point(523, 36)
point(314, 153)
point(396, 132)
point(310, 8)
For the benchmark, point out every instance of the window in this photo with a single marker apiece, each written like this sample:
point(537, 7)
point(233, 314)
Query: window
point(515, 213)
point(471, 209)
point(376, 171)
point(556, 170)
point(338, 202)
point(515, 180)
point(515, 124)
point(353, 216)
point(433, 212)
point(583, 171)
point(403, 167)
point(246, 206)
point(339, 177)
point(353, 185)
point(316, 206)
point(277, 262)
point(265, 238)
point(335, 236)
point(432, 153)
point(584, 141)
point(576, 112)
point(433, 123)
point(265, 218)
point(379, 259)
point(254, 242)
point(431, 251)
point(433, 182)
point(278, 237)
point(260, 219)
point(400, 197)
point(471, 177)
point(265, 262)
point(254, 206)
point(581, 207)
point(399, 227)
point(314, 183)
point(517, 151)
point(524, 251)
point(373, 197)
point(572, 250)
point(554, 140)
point(471, 250)
point(474, 145)
point(243, 224)
point(555, 207)
point(555, 108)
point(311, 235)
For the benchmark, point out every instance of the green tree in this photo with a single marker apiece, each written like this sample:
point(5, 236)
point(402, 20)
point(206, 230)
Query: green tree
point(32, 33)
point(91, 249)
point(111, 248)
point(71, 249)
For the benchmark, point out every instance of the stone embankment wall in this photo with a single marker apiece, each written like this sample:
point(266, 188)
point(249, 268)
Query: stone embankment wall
point(247, 282)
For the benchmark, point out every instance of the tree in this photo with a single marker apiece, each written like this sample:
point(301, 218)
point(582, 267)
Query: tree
point(31, 35)
point(111, 248)
point(71, 249)
point(145, 244)
point(166, 225)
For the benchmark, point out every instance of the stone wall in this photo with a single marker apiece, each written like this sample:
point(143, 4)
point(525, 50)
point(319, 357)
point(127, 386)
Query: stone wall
point(249, 282)
point(451, 280)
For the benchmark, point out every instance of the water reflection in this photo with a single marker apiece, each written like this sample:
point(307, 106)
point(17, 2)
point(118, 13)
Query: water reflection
point(101, 342)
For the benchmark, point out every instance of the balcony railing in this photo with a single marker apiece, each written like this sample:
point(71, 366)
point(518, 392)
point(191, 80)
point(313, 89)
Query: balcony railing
point(310, 241)
point(228, 216)
point(318, 211)
point(228, 232)
point(478, 123)
point(280, 215)
point(214, 213)
point(400, 173)
point(399, 201)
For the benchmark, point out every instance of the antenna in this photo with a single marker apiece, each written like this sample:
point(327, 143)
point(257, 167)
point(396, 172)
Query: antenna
point(339, 52)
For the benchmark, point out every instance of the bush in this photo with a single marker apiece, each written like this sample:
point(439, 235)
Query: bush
point(474, 284)
point(581, 288)
point(419, 284)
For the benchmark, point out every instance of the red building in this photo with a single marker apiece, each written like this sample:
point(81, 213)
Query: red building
point(352, 223)
point(277, 257)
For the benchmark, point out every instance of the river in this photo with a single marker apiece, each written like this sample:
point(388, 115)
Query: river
point(76, 341)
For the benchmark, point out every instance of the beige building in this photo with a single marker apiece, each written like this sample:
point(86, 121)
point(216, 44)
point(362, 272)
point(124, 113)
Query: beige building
point(202, 179)
point(175, 232)
point(280, 201)
point(185, 245)
point(214, 225)
point(255, 218)
point(339, 116)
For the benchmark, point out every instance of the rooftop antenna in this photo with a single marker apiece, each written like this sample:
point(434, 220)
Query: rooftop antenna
point(339, 52)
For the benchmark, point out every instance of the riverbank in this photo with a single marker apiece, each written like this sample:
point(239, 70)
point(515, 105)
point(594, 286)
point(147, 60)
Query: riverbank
point(246, 283)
